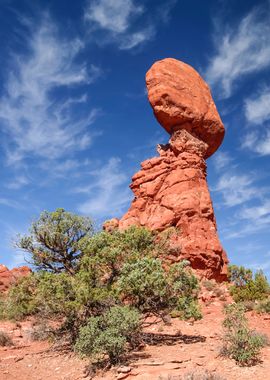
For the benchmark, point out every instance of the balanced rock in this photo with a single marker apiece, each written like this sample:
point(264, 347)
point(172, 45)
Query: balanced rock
point(181, 99)
point(171, 190)
point(10, 277)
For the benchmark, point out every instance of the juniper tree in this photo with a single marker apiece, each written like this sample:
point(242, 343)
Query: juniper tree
point(53, 242)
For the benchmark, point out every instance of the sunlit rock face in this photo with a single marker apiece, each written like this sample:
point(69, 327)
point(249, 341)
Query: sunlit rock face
point(171, 190)
point(9, 277)
point(181, 99)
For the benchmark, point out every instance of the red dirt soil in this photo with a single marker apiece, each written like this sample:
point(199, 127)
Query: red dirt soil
point(196, 348)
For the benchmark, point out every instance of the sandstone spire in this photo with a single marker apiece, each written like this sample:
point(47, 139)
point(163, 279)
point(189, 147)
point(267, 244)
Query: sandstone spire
point(171, 190)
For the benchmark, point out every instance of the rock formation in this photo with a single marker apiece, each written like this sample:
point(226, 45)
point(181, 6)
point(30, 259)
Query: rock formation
point(171, 190)
point(9, 277)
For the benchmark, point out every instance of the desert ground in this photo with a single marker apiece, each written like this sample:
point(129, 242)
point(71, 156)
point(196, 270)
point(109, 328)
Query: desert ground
point(171, 352)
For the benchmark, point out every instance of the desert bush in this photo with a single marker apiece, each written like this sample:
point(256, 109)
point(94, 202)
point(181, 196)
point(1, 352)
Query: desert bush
point(5, 339)
point(105, 272)
point(42, 293)
point(239, 342)
point(20, 300)
point(53, 240)
point(113, 268)
point(41, 331)
point(109, 334)
point(2, 308)
point(147, 286)
point(55, 295)
point(209, 284)
point(245, 286)
point(263, 306)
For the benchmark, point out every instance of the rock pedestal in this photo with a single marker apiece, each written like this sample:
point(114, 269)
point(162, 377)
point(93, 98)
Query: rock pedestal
point(171, 190)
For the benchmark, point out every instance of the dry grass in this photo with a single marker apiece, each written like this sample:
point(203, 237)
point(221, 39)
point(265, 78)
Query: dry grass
point(5, 339)
point(205, 375)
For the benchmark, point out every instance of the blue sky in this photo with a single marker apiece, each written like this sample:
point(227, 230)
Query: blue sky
point(75, 122)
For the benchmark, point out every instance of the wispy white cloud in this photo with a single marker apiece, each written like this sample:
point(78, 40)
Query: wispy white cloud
point(257, 110)
point(260, 213)
point(18, 182)
point(113, 15)
point(237, 189)
point(257, 142)
point(108, 193)
point(242, 49)
point(137, 38)
point(222, 160)
point(121, 21)
point(35, 122)
point(9, 203)
point(264, 266)
point(250, 219)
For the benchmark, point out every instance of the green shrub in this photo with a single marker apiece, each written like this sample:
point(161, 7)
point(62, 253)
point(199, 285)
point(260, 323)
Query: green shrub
point(239, 342)
point(106, 271)
point(263, 306)
point(109, 334)
point(150, 288)
point(247, 288)
point(2, 308)
point(55, 295)
point(43, 293)
point(20, 301)
point(143, 283)
point(184, 288)
point(239, 275)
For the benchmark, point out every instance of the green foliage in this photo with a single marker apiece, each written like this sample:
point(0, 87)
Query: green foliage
point(20, 301)
point(240, 343)
point(245, 287)
point(53, 242)
point(43, 293)
point(113, 267)
point(109, 334)
point(263, 306)
point(240, 276)
point(147, 286)
point(143, 283)
point(55, 294)
point(86, 279)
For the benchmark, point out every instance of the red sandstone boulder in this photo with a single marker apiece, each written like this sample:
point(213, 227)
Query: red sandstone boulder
point(182, 100)
point(9, 277)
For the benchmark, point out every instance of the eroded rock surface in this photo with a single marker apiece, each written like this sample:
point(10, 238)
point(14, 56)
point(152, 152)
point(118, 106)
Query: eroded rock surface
point(9, 277)
point(171, 190)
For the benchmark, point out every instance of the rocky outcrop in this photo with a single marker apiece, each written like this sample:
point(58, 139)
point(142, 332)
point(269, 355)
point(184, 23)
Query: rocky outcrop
point(9, 277)
point(171, 190)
